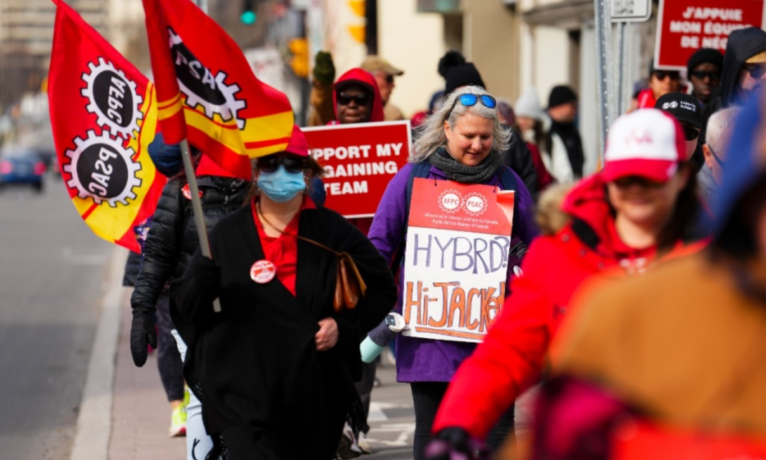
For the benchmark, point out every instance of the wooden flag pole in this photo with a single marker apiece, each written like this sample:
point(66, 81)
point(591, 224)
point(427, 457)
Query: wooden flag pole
point(199, 217)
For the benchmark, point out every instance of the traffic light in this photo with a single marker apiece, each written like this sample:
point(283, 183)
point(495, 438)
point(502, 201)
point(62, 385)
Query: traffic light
point(299, 47)
point(248, 16)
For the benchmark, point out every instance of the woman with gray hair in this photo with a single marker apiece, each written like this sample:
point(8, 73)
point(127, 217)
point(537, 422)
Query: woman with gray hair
point(461, 142)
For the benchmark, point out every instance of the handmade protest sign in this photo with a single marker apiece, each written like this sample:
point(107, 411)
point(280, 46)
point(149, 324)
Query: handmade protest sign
point(359, 161)
point(456, 259)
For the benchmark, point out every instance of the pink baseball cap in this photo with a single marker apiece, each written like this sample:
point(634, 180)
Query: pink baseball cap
point(298, 144)
point(648, 143)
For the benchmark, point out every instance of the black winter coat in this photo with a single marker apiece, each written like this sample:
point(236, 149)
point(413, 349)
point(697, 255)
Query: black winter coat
point(518, 158)
point(255, 364)
point(172, 237)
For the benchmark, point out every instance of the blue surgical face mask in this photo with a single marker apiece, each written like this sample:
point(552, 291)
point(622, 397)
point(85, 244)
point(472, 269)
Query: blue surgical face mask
point(281, 186)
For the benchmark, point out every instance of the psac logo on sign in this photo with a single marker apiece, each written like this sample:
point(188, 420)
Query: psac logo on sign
point(359, 161)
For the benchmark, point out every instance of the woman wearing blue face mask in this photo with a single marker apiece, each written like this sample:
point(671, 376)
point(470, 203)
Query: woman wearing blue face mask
point(279, 361)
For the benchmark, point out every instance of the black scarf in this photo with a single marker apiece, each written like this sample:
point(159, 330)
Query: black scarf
point(571, 139)
point(459, 172)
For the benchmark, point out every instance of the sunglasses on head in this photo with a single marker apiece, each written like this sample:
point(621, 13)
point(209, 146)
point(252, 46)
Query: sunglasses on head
point(662, 74)
point(469, 100)
point(690, 132)
point(756, 71)
point(701, 74)
point(628, 181)
point(292, 163)
point(360, 99)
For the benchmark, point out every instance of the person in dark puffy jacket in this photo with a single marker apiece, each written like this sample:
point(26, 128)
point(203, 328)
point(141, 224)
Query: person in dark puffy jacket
point(171, 241)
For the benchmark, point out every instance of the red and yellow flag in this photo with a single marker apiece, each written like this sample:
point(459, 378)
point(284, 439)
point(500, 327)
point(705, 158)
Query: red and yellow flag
point(207, 90)
point(103, 113)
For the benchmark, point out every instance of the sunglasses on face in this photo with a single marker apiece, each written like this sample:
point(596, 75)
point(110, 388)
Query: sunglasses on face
point(690, 132)
point(756, 71)
point(701, 74)
point(629, 181)
point(389, 79)
point(469, 100)
point(292, 163)
point(359, 99)
point(662, 75)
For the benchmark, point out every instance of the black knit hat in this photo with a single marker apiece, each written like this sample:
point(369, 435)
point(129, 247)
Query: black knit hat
point(701, 56)
point(561, 95)
point(463, 75)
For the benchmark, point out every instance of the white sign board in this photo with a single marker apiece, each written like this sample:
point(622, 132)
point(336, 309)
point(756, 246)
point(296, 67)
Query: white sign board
point(631, 10)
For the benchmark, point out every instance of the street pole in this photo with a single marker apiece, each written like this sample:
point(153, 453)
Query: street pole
point(619, 93)
point(199, 217)
point(605, 70)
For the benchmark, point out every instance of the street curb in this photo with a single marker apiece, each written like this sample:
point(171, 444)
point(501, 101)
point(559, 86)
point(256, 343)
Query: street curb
point(94, 423)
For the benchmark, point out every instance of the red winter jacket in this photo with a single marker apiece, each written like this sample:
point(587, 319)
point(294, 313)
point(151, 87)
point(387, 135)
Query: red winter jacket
point(512, 355)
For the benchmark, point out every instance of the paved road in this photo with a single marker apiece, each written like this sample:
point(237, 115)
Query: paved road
point(51, 279)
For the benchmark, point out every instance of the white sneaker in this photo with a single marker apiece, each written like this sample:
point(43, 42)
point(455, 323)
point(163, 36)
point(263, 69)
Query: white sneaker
point(364, 445)
point(348, 447)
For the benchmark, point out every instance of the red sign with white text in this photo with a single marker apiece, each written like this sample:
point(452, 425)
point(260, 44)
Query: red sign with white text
point(359, 161)
point(685, 26)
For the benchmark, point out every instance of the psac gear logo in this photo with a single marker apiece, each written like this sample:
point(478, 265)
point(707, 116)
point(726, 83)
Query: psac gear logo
point(201, 87)
point(475, 204)
point(113, 98)
point(102, 169)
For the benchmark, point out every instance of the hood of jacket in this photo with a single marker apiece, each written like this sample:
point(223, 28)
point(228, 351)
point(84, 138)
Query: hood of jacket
point(366, 80)
point(745, 166)
point(742, 45)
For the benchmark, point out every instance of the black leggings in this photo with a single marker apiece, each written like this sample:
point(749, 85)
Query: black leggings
point(426, 396)
point(168, 358)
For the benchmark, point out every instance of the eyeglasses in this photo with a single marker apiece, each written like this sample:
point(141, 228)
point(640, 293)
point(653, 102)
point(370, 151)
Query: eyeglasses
point(629, 181)
point(292, 163)
point(661, 75)
point(756, 71)
point(470, 99)
point(717, 158)
point(691, 133)
point(389, 79)
point(360, 99)
point(701, 74)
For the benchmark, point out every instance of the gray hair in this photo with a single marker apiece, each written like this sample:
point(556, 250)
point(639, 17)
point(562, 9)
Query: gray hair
point(431, 134)
point(719, 128)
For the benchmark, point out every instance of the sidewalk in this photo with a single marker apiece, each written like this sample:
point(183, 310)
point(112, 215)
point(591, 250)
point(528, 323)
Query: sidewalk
point(141, 413)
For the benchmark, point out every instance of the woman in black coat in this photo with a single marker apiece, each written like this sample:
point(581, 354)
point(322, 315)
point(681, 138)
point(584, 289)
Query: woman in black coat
point(278, 363)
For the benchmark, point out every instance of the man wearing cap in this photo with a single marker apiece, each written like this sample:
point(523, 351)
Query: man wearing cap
point(384, 74)
point(685, 109)
point(704, 72)
point(564, 156)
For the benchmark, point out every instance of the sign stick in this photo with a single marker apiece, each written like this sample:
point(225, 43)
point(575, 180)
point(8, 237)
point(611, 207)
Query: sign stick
point(199, 217)
point(605, 69)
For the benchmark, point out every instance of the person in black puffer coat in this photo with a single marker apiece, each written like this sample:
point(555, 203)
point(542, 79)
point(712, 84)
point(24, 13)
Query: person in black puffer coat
point(171, 240)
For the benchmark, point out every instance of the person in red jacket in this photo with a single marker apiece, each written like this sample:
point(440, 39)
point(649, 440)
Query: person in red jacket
point(619, 221)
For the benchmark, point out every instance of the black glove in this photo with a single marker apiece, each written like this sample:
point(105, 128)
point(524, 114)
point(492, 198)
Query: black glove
point(142, 334)
point(324, 69)
point(453, 443)
point(207, 275)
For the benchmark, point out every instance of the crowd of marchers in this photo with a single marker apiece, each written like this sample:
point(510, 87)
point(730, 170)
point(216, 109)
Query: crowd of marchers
point(635, 301)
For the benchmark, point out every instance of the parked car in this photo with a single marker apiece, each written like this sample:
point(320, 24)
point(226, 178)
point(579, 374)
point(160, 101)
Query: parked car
point(21, 166)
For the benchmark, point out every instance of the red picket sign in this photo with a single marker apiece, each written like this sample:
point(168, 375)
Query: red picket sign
point(684, 26)
point(359, 161)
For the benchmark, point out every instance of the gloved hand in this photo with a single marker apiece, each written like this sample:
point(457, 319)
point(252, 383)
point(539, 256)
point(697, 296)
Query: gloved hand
point(324, 69)
point(207, 274)
point(142, 334)
point(455, 443)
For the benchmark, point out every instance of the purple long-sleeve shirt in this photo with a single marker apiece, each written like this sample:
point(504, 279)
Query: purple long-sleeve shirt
point(425, 360)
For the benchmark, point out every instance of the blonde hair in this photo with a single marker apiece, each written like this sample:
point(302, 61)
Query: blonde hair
point(431, 134)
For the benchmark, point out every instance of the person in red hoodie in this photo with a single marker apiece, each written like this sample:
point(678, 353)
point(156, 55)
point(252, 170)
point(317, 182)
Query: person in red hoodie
point(620, 221)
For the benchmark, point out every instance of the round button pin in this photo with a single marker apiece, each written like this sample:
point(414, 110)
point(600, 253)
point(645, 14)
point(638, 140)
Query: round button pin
point(263, 271)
